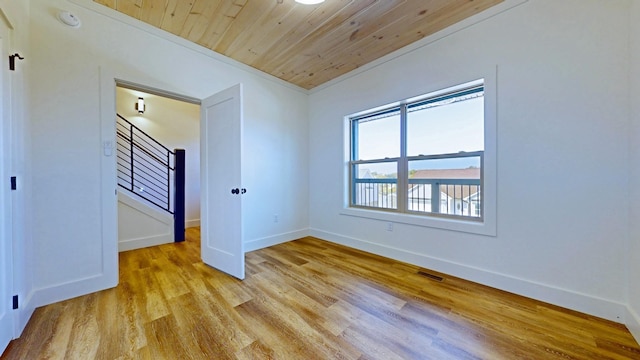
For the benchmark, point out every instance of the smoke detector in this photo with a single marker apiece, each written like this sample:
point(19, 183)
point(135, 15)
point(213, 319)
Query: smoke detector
point(69, 19)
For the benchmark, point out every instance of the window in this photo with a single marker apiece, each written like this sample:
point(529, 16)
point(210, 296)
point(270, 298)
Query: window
point(422, 157)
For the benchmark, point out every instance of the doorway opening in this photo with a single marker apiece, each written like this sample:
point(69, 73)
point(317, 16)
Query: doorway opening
point(151, 125)
point(220, 155)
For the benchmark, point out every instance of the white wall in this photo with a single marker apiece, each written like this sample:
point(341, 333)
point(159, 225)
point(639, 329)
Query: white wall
point(142, 225)
point(17, 13)
point(175, 124)
point(563, 148)
point(67, 140)
point(562, 153)
point(633, 279)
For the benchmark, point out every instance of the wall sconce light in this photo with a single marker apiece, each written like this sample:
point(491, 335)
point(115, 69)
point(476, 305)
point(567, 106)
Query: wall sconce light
point(140, 105)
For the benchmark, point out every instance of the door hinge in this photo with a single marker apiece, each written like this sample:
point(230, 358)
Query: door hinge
point(14, 183)
point(15, 302)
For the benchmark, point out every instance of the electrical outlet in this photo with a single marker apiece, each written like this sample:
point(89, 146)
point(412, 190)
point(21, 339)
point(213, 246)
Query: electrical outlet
point(389, 226)
point(275, 218)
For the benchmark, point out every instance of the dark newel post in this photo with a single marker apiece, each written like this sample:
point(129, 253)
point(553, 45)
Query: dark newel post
point(178, 207)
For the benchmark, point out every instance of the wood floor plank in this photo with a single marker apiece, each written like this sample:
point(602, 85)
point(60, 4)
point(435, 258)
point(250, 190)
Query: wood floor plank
point(307, 299)
point(256, 351)
point(85, 334)
point(57, 347)
point(192, 321)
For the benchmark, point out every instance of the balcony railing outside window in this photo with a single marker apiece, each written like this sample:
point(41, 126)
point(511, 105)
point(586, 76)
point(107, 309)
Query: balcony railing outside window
point(459, 196)
point(381, 193)
point(378, 193)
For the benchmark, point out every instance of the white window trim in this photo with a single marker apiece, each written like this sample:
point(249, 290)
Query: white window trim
point(488, 226)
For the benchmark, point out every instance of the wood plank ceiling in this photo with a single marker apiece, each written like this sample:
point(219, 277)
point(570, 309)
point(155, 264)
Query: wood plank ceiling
point(306, 45)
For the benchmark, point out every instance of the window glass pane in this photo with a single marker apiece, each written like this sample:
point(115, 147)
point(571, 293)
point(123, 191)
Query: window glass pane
point(375, 185)
point(446, 127)
point(453, 183)
point(436, 146)
point(378, 137)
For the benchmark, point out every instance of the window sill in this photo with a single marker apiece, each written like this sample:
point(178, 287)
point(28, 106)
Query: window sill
point(486, 228)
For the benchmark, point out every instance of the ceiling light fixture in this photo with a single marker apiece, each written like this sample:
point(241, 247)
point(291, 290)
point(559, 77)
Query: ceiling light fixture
point(140, 105)
point(309, 2)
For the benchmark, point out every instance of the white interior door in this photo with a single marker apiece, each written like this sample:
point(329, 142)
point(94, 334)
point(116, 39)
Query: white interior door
point(6, 264)
point(221, 181)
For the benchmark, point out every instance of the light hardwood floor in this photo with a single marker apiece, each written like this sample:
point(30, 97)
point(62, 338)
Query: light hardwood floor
point(307, 299)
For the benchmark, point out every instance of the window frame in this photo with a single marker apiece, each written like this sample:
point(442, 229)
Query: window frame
point(486, 225)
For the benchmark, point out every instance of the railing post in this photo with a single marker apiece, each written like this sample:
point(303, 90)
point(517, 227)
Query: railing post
point(179, 198)
point(131, 155)
point(435, 197)
point(169, 153)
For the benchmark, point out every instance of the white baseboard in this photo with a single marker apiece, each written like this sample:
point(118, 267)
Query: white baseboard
point(192, 223)
point(25, 310)
point(584, 303)
point(257, 244)
point(133, 244)
point(69, 290)
point(633, 323)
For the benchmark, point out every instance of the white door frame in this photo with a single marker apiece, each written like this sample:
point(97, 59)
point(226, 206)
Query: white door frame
point(108, 82)
point(7, 286)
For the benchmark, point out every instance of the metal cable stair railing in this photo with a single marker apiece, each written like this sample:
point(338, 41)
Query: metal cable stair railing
point(151, 171)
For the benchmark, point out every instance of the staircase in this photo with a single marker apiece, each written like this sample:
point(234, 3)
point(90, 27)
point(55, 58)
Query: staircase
point(152, 199)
